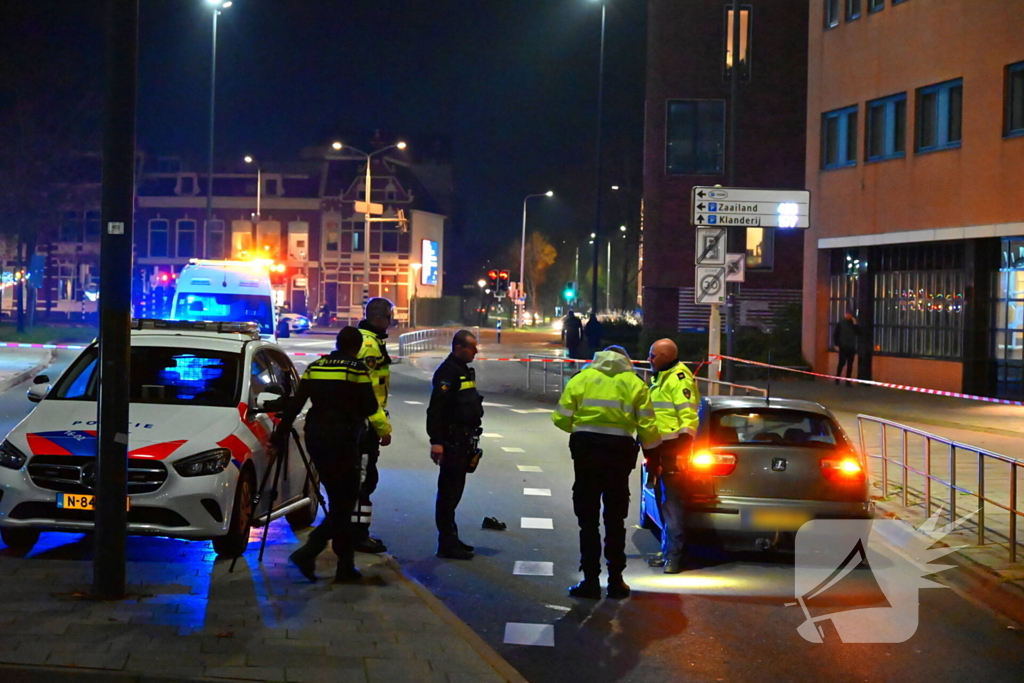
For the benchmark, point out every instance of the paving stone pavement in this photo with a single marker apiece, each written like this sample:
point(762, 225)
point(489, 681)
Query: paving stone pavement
point(188, 618)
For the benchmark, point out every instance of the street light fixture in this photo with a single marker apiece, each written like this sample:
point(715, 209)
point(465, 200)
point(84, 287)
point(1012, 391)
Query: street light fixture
point(259, 184)
point(522, 256)
point(217, 6)
point(367, 200)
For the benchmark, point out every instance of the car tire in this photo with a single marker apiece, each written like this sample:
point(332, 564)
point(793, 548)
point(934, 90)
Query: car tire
point(20, 540)
point(235, 541)
point(304, 517)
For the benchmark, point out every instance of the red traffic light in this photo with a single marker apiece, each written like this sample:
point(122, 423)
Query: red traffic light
point(493, 274)
point(503, 275)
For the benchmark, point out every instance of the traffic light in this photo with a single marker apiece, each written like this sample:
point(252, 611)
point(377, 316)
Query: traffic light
point(502, 281)
point(492, 277)
point(570, 291)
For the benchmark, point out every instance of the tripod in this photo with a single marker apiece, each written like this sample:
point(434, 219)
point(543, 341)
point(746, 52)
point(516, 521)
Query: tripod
point(278, 464)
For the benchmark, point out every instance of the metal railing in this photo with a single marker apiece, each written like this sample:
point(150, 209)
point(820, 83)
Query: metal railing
point(553, 366)
point(988, 489)
point(429, 340)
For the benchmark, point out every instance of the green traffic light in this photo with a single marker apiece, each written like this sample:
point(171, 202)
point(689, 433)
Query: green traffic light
point(568, 293)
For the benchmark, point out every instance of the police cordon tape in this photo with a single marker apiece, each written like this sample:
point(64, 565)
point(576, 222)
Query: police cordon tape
point(13, 345)
point(887, 385)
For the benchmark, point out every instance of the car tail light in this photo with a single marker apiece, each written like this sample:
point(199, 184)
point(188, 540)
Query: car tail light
point(715, 464)
point(847, 469)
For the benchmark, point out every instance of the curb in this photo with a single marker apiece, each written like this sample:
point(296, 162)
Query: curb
point(20, 377)
point(977, 581)
point(461, 628)
point(51, 674)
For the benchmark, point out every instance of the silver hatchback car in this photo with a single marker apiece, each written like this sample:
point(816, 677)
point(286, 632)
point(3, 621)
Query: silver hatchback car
point(759, 468)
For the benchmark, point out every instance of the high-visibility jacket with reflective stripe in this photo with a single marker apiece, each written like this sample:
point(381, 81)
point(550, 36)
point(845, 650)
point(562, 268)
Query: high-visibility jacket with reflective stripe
point(607, 397)
point(339, 387)
point(676, 398)
point(374, 353)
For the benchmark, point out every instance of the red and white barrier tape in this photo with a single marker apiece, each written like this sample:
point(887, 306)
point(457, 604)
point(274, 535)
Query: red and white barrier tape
point(888, 385)
point(13, 345)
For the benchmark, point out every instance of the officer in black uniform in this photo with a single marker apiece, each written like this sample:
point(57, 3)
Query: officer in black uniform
point(343, 399)
point(453, 424)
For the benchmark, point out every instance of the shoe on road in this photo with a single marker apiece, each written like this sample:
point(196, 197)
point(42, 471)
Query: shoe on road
point(370, 545)
point(305, 562)
point(348, 575)
point(587, 588)
point(493, 523)
point(674, 565)
point(456, 553)
point(617, 588)
point(656, 560)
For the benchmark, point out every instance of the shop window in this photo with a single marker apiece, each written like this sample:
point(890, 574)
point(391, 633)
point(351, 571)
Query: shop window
point(1008, 320)
point(886, 128)
point(1014, 124)
point(696, 137)
point(843, 286)
point(839, 138)
point(939, 109)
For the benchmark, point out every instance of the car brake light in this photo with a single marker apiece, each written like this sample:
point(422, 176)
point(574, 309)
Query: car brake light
point(846, 469)
point(715, 464)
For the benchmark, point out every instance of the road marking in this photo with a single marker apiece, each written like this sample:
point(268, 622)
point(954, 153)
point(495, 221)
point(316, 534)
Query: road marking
point(560, 608)
point(532, 411)
point(495, 405)
point(524, 568)
point(536, 492)
point(530, 634)
point(493, 436)
point(529, 468)
point(536, 523)
point(415, 403)
point(512, 449)
point(316, 343)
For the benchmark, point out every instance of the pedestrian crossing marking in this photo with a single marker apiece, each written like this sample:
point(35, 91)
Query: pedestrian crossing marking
point(529, 468)
point(488, 404)
point(493, 436)
point(536, 492)
point(512, 449)
point(415, 403)
point(530, 634)
point(524, 568)
point(531, 411)
point(536, 523)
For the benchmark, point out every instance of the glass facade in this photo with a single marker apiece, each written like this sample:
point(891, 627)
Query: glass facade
point(843, 287)
point(1008, 320)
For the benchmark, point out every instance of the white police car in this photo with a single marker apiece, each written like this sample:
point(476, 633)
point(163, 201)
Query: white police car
point(197, 444)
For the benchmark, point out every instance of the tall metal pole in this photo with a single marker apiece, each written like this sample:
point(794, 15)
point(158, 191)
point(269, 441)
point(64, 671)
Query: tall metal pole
point(115, 304)
point(213, 99)
point(259, 191)
point(608, 284)
point(740, 233)
point(597, 185)
point(522, 265)
point(366, 245)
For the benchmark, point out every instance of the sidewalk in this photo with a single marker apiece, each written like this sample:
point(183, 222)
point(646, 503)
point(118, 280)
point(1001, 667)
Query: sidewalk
point(187, 618)
point(17, 365)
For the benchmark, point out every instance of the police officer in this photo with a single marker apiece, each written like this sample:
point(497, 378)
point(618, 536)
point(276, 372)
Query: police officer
point(602, 407)
point(342, 395)
point(374, 353)
point(453, 425)
point(675, 397)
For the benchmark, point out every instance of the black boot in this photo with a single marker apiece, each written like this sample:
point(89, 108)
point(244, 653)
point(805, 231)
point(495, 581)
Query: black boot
point(617, 588)
point(305, 559)
point(674, 565)
point(589, 588)
point(347, 573)
point(370, 544)
point(466, 546)
point(453, 551)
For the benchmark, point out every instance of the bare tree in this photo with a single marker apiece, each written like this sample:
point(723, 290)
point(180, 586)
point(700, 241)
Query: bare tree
point(540, 256)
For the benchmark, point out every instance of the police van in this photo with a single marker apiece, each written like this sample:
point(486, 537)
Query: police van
point(226, 291)
point(201, 415)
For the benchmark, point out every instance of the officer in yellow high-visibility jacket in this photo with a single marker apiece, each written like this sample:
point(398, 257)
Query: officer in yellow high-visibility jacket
point(676, 398)
point(603, 406)
point(374, 353)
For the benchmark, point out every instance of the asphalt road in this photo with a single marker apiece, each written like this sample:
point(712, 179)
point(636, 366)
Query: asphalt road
point(723, 619)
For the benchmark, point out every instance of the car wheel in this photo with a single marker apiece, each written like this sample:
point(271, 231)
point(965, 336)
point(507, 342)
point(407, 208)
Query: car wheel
point(20, 540)
point(304, 517)
point(235, 541)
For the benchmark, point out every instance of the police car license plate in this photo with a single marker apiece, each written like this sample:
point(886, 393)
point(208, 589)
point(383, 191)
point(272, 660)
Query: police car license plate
point(71, 501)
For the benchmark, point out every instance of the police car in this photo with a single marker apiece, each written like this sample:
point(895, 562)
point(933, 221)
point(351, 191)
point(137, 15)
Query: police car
point(197, 445)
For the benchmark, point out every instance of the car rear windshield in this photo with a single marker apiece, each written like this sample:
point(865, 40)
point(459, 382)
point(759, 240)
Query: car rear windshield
point(773, 427)
point(171, 376)
point(226, 308)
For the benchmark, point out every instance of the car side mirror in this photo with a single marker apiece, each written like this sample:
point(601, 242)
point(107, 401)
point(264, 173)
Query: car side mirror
point(270, 400)
point(39, 389)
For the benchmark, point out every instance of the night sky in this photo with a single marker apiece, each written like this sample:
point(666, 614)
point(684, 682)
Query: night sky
point(509, 87)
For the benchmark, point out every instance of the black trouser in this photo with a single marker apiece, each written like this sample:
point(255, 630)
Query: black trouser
point(335, 453)
point(451, 482)
point(370, 448)
point(671, 486)
point(602, 464)
point(846, 357)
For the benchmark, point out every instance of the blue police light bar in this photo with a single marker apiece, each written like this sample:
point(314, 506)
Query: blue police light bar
point(249, 329)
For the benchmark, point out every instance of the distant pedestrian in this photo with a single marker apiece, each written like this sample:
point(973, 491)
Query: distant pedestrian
point(845, 338)
point(572, 328)
point(324, 318)
point(284, 329)
point(593, 331)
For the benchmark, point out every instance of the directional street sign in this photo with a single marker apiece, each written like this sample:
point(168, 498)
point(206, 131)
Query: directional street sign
point(735, 267)
point(738, 207)
point(711, 246)
point(709, 285)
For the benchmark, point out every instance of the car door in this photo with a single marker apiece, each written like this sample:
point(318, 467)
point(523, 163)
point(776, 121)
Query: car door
point(288, 378)
point(262, 375)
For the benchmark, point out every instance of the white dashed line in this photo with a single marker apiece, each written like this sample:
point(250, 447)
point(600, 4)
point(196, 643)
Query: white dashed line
point(536, 523)
point(512, 449)
point(532, 411)
point(529, 468)
point(524, 568)
point(530, 634)
point(415, 403)
point(493, 436)
point(495, 405)
point(536, 492)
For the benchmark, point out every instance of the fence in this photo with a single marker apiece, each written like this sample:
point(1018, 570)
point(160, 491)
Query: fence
point(992, 477)
point(429, 340)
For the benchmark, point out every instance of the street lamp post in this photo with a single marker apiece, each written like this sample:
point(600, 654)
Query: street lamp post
point(259, 184)
point(597, 184)
point(415, 289)
point(482, 317)
point(522, 257)
point(367, 215)
point(218, 5)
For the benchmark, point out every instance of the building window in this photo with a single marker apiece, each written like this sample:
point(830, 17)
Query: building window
point(389, 240)
point(1014, 99)
point(696, 137)
point(332, 235)
point(898, 2)
point(1008, 321)
point(839, 138)
point(887, 128)
point(187, 185)
point(71, 227)
point(939, 115)
point(357, 239)
point(875, 5)
point(746, 32)
point(215, 239)
point(852, 10)
point(186, 239)
point(271, 186)
point(760, 248)
point(831, 13)
point(158, 237)
point(92, 226)
point(843, 286)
